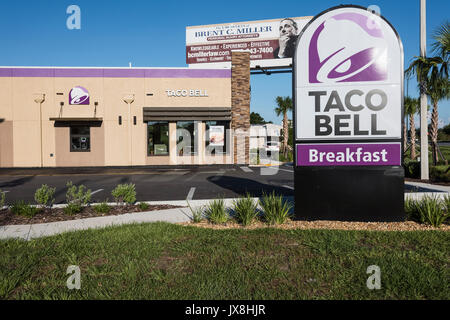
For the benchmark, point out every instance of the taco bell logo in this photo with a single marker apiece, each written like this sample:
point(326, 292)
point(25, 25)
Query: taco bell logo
point(79, 96)
point(347, 47)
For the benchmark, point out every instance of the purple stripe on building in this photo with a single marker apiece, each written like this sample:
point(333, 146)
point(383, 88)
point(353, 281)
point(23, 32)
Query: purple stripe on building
point(32, 73)
point(6, 72)
point(114, 73)
point(80, 73)
point(349, 154)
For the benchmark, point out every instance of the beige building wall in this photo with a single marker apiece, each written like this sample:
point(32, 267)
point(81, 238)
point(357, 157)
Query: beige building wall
point(111, 144)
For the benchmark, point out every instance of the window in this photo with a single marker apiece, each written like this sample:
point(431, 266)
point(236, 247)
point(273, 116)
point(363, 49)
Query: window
point(217, 137)
point(80, 139)
point(158, 138)
point(186, 136)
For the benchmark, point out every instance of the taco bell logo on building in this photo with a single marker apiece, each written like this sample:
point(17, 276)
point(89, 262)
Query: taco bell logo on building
point(358, 55)
point(79, 96)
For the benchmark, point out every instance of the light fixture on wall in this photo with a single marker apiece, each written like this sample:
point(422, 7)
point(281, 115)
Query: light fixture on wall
point(129, 99)
point(95, 108)
point(120, 120)
point(40, 98)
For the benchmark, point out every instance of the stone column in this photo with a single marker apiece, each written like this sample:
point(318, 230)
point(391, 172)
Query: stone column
point(240, 105)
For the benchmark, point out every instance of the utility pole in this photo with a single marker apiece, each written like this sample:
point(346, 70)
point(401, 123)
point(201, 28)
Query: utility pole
point(424, 174)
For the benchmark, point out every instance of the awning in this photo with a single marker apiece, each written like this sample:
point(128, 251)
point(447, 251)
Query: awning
point(67, 122)
point(186, 113)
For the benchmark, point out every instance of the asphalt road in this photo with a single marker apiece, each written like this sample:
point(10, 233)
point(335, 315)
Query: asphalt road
point(155, 185)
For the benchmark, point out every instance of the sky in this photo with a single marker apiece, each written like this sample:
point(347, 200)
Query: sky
point(151, 33)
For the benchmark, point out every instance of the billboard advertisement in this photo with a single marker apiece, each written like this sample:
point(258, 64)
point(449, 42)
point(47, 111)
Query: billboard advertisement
point(271, 43)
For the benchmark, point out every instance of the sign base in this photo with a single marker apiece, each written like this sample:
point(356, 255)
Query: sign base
point(350, 193)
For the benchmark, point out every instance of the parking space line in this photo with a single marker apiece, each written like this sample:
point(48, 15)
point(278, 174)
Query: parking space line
point(278, 168)
point(96, 191)
point(190, 194)
point(246, 169)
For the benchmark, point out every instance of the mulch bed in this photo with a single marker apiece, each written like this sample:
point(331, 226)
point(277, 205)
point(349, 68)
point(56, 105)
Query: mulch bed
point(57, 214)
point(323, 224)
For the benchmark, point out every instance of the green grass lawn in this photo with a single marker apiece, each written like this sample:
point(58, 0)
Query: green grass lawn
point(166, 261)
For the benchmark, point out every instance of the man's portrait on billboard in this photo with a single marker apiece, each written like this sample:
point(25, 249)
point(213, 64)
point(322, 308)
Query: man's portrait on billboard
point(288, 37)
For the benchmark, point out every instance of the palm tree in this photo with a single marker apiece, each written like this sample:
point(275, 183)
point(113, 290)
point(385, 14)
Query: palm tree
point(284, 105)
point(411, 108)
point(437, 90)
point(432, 76)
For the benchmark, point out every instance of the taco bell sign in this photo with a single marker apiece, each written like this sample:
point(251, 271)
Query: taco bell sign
point(78, 96)
point(348, 93)
point(348, 79)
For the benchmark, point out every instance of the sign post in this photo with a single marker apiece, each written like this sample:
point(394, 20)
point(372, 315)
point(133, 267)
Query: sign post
point(348, 98)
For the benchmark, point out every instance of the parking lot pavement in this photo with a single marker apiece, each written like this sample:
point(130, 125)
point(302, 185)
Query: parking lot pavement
point(151, 185)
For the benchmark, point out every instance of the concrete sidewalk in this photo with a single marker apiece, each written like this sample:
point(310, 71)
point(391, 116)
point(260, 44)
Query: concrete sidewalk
point(175, 215)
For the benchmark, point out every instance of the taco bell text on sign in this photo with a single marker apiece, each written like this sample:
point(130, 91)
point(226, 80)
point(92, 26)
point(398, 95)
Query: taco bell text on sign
point(348, 78)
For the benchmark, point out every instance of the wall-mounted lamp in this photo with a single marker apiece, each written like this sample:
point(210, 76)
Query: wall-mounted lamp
point(95, 108)
point(120, 120)
point(134, 120)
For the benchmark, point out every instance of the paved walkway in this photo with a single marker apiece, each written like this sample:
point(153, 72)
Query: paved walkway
point(28, 232)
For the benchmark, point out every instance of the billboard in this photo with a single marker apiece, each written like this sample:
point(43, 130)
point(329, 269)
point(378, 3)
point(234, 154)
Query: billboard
point(271, 43)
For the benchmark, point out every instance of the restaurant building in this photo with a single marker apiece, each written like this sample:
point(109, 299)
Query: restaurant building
point(70, 117)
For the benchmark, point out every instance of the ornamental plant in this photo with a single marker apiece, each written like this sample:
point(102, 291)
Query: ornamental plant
point(197, 213)
point(44, 196)
point(76, 197)
point(24, 209)
point(245, 210)
point(215, 212)
point(124, 193)
point(2, 199)
point(275, 210)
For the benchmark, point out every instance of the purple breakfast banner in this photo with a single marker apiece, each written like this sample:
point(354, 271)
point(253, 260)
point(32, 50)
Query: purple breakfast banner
point(349, 154)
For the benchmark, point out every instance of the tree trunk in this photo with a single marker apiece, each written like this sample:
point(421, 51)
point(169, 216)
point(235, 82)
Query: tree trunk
point(405, 137)
point(285, 134)
point(434, 132)
point(412, 132)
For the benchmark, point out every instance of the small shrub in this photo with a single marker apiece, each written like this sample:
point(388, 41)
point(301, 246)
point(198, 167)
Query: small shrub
point(275, 210)
point(2, 199)
point(72, 208)
point(143, 206)
point(432, 211)
point(102, 207)
point(44, 196)
point(124, 193)
point(24, 209)
point(197, 213)
point(447, 203)
point(76, 198)
point(215, 212)
point(245, 210)
point(412, 169)
point(412, 210)
point(440, 173)
point(77, 195)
